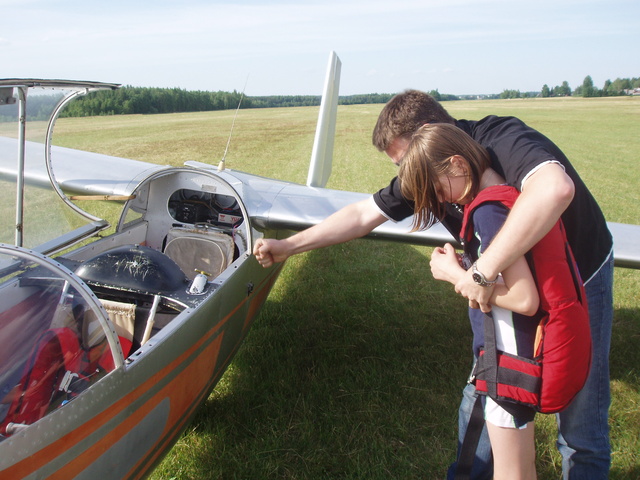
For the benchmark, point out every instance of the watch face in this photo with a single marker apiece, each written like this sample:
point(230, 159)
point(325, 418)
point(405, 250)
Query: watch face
point(477, 278)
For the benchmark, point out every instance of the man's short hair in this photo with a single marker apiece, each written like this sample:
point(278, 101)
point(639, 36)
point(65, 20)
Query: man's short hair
point(404, 114)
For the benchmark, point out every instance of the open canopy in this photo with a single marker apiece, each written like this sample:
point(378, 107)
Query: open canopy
point(36, 213)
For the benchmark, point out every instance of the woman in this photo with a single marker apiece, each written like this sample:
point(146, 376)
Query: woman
point(443, 165)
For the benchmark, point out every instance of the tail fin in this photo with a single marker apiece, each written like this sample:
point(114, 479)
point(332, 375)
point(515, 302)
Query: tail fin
point(322, 154)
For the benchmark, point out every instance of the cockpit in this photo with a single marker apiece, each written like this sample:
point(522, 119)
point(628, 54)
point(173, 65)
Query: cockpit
point(71, 314)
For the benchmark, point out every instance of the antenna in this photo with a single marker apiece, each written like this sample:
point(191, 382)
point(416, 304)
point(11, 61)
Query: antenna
point(224, 156)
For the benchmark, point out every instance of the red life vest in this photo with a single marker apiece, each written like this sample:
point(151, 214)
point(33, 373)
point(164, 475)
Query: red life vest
point(562, 360)
point(57, 370)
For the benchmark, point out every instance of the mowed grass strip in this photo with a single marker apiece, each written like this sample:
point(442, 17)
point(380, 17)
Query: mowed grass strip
point(355, 366)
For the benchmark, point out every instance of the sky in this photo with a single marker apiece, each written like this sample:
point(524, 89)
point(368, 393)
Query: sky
point(281, 47)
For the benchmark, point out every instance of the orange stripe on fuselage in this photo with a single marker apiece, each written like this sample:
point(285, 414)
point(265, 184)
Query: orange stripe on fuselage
point(254, 307)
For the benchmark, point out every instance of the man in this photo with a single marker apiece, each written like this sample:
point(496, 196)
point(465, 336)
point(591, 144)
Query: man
point(551, 188)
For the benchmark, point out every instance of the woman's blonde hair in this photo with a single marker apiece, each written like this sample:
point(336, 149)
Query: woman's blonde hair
point(429, 156)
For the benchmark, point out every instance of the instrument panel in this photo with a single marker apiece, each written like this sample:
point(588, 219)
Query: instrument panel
point(193, 207)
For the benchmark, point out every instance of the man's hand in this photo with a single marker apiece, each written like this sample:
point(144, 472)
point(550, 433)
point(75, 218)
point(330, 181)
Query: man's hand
point(270, 251)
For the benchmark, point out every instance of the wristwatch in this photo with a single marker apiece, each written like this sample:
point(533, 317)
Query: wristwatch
point(479, 278)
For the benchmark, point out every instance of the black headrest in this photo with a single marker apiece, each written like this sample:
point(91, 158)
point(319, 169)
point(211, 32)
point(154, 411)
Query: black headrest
point(135, 268)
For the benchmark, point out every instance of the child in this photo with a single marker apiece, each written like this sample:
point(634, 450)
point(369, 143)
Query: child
point(443, 165)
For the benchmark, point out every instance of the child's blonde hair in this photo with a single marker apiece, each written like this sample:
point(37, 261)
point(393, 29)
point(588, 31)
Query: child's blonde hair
point(427, 157)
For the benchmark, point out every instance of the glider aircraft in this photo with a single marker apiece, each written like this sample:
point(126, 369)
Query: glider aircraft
point(108, 347)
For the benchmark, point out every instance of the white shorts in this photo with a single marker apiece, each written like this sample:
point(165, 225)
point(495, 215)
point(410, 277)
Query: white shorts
point(498, 416)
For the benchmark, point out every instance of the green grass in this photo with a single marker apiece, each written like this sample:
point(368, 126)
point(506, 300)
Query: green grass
point(355, 366)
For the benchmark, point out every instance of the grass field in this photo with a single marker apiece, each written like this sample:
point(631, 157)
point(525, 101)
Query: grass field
point(355, 366)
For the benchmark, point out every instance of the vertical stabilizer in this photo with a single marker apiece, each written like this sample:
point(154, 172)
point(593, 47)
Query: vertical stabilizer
point(322, 154)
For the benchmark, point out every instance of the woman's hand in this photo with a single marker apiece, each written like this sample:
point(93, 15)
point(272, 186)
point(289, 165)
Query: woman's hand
point(445, 264)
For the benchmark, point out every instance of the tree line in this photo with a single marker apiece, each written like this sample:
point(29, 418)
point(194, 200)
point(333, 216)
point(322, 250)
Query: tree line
point(619, 87)
point(147, 100)
point(144, 100)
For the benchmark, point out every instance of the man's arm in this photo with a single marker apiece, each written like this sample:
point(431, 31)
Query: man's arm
point(515, 290)
point(353, 221)
point(545, 196)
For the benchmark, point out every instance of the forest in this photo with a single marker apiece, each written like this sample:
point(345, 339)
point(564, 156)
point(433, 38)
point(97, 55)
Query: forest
point(139, 100)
